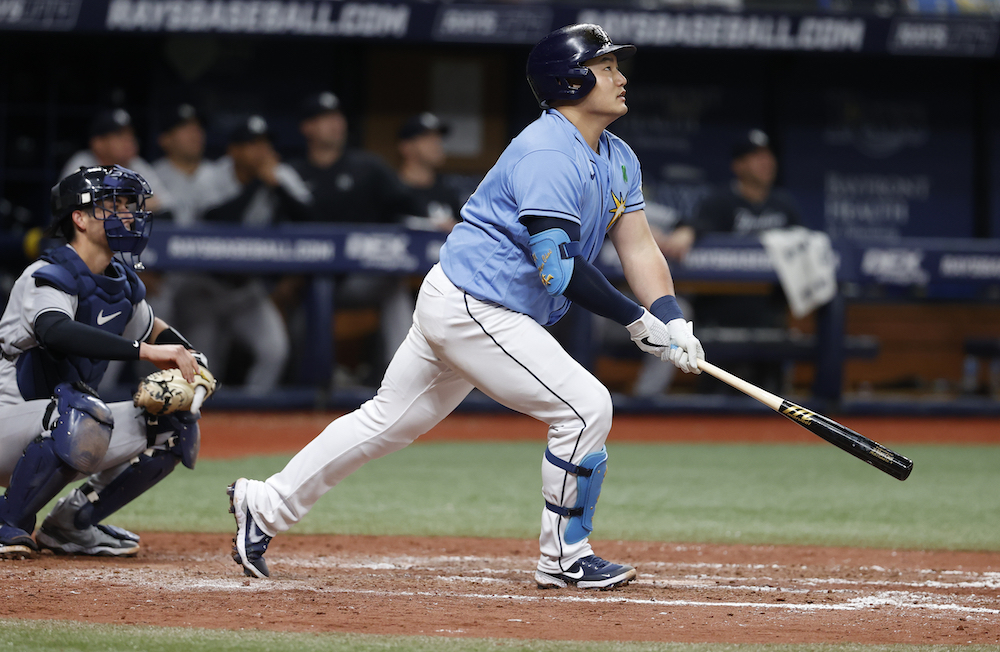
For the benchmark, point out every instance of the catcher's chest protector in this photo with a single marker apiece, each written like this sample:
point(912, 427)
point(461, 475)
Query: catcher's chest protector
point(104, 302)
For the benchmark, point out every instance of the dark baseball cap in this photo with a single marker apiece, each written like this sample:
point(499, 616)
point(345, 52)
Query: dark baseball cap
point(109, 121)
point(751, 141)
point(318, 104)
point(249, 130)
point(179, 114)
point(421, 124)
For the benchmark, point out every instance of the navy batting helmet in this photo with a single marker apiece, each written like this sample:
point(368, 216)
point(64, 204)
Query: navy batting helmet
point(555, 66)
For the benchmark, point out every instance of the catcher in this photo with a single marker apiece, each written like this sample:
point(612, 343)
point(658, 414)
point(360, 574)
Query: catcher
point(70, 312)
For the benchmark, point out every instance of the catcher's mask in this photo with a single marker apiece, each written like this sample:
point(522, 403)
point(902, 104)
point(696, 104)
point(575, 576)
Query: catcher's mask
point(114, 195)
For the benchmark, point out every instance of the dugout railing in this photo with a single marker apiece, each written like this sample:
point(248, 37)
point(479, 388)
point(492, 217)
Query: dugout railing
point(924, 270)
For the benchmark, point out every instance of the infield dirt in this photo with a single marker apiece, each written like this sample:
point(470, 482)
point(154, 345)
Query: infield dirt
point(484, 587)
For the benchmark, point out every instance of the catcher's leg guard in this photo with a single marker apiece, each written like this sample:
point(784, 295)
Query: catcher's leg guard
point(589, 479)
point(38, 477)
point(83, 430)
point(186, 437)
point(143, 472)
point(78, 442)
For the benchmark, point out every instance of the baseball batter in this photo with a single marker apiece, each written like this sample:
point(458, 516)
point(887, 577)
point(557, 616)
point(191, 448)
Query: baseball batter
point(69, 314)
point(522, 253)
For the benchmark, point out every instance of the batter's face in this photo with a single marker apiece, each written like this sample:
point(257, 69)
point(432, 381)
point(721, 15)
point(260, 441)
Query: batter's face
point(607, 98)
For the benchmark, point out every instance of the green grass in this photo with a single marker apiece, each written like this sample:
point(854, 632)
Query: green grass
point(757, 494)
point(57, 636)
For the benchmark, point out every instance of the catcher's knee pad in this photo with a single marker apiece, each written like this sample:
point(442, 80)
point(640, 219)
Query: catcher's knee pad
point(185, 440)
point(82, 431)
point(144, 471)
point(589, 478)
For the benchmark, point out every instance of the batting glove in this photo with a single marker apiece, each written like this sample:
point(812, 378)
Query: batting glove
point(651, 335)
point(685, 349)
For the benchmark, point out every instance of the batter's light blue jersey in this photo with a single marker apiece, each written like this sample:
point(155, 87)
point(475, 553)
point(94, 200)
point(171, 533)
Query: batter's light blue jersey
point(548, 170)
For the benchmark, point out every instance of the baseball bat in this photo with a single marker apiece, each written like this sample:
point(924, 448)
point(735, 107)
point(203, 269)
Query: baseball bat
point(199, 397)
point(839, 435)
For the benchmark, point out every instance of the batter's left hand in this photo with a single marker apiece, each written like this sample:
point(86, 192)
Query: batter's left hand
point(685, 349)
point(650, 335)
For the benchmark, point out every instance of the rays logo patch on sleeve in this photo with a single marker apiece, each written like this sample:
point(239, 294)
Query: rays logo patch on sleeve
point(619, 206)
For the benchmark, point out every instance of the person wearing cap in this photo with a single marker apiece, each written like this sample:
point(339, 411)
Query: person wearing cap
point(183, 169)
point(194, 183)
point(750, 205)
point(420, 142)
point(112, 141)
point(350, 185)
point(254, 189)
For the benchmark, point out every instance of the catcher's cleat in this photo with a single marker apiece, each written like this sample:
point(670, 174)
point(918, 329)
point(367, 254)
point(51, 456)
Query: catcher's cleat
point(250, 542)
point(97, 540)
point(590, 572)
point(15, 543)
point(60, 534)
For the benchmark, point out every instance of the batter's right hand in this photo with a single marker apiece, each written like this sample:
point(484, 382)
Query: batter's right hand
point(685, 349)
point(650, 335)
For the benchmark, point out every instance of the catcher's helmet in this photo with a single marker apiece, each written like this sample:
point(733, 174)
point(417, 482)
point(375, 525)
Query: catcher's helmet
point(81, 189)
point(555, 66)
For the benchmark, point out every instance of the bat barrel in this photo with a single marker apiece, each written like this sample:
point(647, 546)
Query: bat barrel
point(848, 440)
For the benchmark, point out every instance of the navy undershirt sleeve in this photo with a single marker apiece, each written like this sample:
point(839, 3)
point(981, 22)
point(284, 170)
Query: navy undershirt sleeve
point(588, 287)
point(56, 331)
point(171, 336)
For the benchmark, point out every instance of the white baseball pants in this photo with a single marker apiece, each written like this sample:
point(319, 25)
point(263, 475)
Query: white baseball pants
point(456, 343)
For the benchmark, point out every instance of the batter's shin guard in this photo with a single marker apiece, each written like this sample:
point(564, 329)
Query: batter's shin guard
point(143, 472)
point(589, 480)
point(38, 477)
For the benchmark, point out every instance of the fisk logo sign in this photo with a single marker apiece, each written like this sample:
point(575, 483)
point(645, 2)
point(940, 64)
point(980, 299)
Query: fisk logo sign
point(896, 266)
point(381, 251)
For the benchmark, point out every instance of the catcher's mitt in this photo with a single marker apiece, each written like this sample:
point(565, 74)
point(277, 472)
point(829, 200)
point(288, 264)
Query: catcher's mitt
point(166, 391)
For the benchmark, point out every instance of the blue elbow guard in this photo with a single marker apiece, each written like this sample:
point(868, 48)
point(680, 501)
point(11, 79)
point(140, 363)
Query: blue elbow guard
point(589, 479)
point(553, 253)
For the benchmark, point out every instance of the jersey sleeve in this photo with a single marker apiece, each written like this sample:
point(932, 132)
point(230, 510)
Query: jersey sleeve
point(636, 201)
point(39, 298)
point(140, 326)
point(547, 183)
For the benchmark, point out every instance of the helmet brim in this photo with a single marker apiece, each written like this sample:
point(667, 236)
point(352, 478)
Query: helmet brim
point(622, 52)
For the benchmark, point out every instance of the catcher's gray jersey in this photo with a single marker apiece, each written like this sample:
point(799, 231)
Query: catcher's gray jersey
point(17, 326)
point(21, 419)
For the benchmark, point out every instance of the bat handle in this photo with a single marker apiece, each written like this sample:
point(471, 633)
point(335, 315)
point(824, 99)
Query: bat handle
point(199, 397)
point(764, 396)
